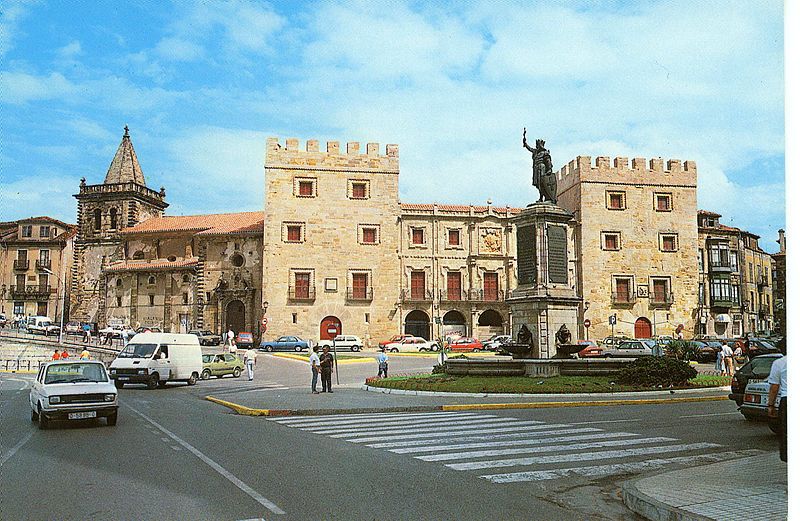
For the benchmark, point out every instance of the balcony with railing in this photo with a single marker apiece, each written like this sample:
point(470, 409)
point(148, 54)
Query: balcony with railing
point(662, 301)
point(307, 293)
point(43, 264)
point(622, 298)
point(21, 264)
point(359, 294)
point(479, 295)
point(721, 301)
point(762, 280)
point(416, 295)
point(452, 295)
point(33, 291)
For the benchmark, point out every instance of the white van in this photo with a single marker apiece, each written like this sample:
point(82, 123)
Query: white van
point(157, 358)
point(41, 325)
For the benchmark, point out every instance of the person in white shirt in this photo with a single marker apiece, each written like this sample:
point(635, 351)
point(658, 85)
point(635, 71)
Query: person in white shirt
point(383, 364)
point(727, 359)
point(250, 362)
point(778, 393)
point(230, 341)
point(314, 361)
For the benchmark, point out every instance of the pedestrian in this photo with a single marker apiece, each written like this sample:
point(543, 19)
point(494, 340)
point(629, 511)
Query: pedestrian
point(383, 363)
point(230, 337)
point(56, 355)
point(778, 393)
point(314, 361)
point(85, 354)
point(326, 368)
point(718, 365)
point(250, 362)
point(64, 354)
point(727, 359)
point(124, 337)
point(87, 333)
point(109, 338)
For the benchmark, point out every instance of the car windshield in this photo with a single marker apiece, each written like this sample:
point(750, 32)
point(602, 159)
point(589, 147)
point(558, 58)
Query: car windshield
point(138, 351)
point(762, 364)
point(630, 345)
point(207, 358)
point(74, 373)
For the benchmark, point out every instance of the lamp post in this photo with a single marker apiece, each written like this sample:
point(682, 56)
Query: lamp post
point(61, 322)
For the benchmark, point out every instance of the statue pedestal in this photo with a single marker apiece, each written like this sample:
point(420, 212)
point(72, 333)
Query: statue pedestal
point(546, 297)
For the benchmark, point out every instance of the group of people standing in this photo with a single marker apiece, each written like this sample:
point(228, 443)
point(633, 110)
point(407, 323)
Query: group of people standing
point(726, 357)
point(321, 365)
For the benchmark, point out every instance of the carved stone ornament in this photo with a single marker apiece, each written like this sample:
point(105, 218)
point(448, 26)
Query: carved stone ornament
point(492, 240)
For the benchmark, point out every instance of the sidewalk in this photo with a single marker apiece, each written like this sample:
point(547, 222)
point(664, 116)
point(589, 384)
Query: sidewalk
point(747, 488)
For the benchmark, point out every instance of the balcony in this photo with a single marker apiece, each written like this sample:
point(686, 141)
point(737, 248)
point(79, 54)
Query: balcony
point(408, 295)
point(452, 295)
point(43, 265)
point(723, 266)
point(623, 299)
point(663, 301)
point(764, 310)
point(479, 295)
point(723, 302)
point(762, 281)
point(359, 294)
point(307, 293)
point(21, 264)
point(34, 291)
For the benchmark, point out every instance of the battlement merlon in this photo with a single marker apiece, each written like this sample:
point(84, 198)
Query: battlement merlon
point(639, 170)
point(290, 155)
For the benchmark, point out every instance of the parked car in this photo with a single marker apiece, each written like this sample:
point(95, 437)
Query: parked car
point(73, 390)
point(756, 369)
point(343, 343)
point(3, 320)
point(116, 331)
point(207, 338)
point(244, 340)
point(613, 340)
point(411, 345)
point(592, 350)
point(465, 343)
point(495, 341)
point(759, 346)
point(73, 328)
point(754, 404)
point(629, 349)
point(395, 338)
point(706, 351)
point(39, 325)
point(286, 343)
point(221, 364)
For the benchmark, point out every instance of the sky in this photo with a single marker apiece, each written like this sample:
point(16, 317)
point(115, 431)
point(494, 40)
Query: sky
point(203, 84)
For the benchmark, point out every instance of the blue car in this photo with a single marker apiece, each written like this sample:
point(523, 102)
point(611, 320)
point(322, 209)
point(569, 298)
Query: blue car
point(286, 343)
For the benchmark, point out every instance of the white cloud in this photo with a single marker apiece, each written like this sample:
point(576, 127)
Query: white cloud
point(12, 15)
point(178, 49)
point(46, 193)
point(20, 87)
point(71, 50)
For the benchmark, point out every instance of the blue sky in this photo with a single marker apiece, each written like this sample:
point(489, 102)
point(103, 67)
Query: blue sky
point(202, 84)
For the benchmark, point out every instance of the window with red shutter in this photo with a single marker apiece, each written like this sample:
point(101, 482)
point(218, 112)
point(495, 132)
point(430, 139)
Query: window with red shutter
point(611, 241)
point(369, 236)
point(418, 236)
point(293, 233)
point(418, 285)
point(659, 290)
point(622, 290)
point(454, 285)
point(360, 285)
point(306, 188)
point(359, 190)
point(490, 286)
point(302, 283)
point(454, 237)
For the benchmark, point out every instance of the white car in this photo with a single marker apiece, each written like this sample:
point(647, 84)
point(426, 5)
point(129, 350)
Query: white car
point(116, 331)
point(343, 343)
point(73, 390)
point(412, 344)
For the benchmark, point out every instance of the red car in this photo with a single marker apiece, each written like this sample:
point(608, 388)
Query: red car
point(244, 340)
point(466, 343)
point(590, 351)
point(395, 339)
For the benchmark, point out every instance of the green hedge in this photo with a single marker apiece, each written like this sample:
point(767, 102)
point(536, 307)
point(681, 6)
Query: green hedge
point(652, 371)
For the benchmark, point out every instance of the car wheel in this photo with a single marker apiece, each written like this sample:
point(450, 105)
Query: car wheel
point(192, 379)
point(34, 416)
point(162, 383)
point(118, 384)
point(354, 349)
point(43, 423)
point(111, 419)
point(237, 372)
point(475, 350)
point(297, 349)
point(152, 382)
point(606, 356)
point(206, 374)
point(423, 349)
point(269, 349)
point(750, 417)
point(394, 350)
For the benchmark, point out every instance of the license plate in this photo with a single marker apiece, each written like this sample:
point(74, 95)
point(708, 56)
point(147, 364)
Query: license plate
point(82, 415)
point(123, 378)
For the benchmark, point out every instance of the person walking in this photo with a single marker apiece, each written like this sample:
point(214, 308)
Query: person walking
point(87, 333)
point(383, 363)
point(64, 354)
point(56, 355)
point(718, 365)
point(229, 339)
point(727, 359)
point(125, 337)
point(314, 361)
point(778, 393)
point(85, 354)
point(326, 368)
point(250, 362)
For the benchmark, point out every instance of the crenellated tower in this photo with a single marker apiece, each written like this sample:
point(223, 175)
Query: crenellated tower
point(121, 201)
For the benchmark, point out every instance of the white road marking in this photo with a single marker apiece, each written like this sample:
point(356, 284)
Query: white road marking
point(381, 421)
point(175, 447)
point(416, 425)
point(527, 433)
point(439, 434)
point(568, 458)
point(711, 414)
point(454, 426)
point(241, 485)
point(13, 450)
point(617, 468)
point(449, 456)
point(506, 443)
point(277, 388)
point(383, 415)
point(607, 421)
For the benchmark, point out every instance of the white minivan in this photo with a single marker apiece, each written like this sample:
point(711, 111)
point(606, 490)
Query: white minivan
point(157, 358)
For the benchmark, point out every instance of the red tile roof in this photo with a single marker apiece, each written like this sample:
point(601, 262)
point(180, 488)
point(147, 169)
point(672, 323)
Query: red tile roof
point(706, 212)
point(209, 224)
point(159, 264)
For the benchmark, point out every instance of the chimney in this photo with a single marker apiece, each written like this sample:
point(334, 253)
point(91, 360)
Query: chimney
point(782, 240)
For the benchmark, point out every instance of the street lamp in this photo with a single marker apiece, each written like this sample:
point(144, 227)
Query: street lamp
point(61, 323)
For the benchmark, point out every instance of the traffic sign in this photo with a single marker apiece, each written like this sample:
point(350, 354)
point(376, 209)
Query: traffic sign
point(332, 330)
point(587, 323)
point(612, 320)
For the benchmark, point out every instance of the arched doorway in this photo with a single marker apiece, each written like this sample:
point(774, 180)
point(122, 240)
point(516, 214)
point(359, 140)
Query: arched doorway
point(642, 329)
point(234, 315)
point(454, 324)
point(329, 328)
point(489, 323)
point(418, 324)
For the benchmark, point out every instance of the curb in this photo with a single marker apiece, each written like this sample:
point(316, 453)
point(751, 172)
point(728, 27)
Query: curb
point(301, 358)
point(248, 411)
point(406, 392)
point(651, 508)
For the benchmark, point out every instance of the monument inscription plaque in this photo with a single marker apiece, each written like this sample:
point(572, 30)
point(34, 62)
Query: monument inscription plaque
point(557, 254)
point(526, 254)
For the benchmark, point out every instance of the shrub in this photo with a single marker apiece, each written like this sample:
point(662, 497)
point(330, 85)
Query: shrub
point(438, 369)
point(652, 371)
point(681, 350)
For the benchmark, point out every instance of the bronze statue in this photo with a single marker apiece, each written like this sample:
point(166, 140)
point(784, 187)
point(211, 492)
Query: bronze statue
point(563, 336)
point(543, 177)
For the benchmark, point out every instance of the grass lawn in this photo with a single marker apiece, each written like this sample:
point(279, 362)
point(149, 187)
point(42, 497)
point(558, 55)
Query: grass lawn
point(524, 384)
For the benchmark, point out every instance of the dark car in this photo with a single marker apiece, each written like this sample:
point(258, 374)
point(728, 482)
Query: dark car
point(759, 346)
point(707, 350)
point(756, 369)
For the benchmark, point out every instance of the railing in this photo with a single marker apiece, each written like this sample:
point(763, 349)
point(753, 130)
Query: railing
point(34, 291)
point(623, 298)
point(480, 295)
point(762, 280)
point(21, 264)
point(451, 295)
point(722, 302)
point(302, 292)
point(665, 300)
point(408, 295)
point(359, 293)
point(42, 264)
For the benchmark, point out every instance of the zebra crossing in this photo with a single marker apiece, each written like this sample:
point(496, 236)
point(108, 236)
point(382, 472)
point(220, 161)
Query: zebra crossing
point(533, 450)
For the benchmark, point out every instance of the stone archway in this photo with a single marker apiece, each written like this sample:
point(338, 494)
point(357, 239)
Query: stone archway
point(418, 324)
point(490, 322)
point(642, 328)
point(454, 324)
point(235, 316)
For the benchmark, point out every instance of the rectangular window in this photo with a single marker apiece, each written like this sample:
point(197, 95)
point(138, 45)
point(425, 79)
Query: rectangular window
point(622, 290)
point(294, 318)
point(702, 294)
point(19, 308)
point(490, 286)
point(454, 285)
point(417, 236)
point(43, 280)
point(366, 318)
point(669, 242)
point(615, 200)
point(418, 285)
point(119, 302)
point(718, 255)
point(359, 190)
point(663, 202)
point(20, 282)
point(700, 260)
point(44, 232)
point(27, 230)
point(454, 237)
point(306, 188)
point(152, 299)
point(360, 283)
point(185, 298)
point(734, 258)
point(293, 233)
point(661, 291)
point(302, 285)
point(611, 241)
point(370, 236)
point(44, 256)
point(721, 289)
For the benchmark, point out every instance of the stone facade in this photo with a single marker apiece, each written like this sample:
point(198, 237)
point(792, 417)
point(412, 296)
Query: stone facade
point(35, 260)
point(636, 242)
point(779, 284)
point(756, 289)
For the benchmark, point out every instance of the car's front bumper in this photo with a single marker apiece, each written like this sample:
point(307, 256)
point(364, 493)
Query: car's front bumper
point(131, 378)
point(62, 413)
